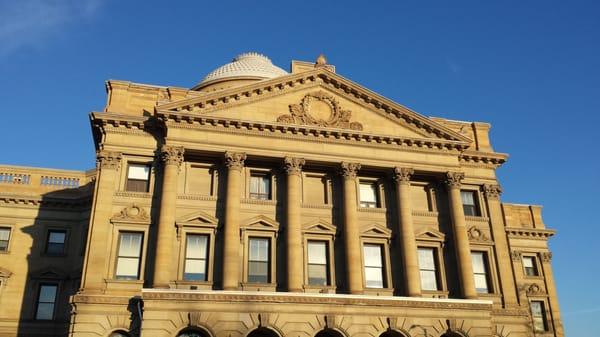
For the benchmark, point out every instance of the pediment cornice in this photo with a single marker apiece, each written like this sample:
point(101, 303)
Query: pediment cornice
point(322, 78)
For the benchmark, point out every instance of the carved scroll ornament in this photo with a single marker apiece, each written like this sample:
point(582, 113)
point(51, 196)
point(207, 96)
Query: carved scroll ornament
point(293, 165)
point(349, 170)
point(172, 155)
point(402, 175)
point(303, 114)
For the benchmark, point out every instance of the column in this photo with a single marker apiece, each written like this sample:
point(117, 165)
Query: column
point(164, 272)
point(351, 231)
point(295, 267)
point(546, 258)
point(505, 272)
point(461, 239)
point(406, 238)
point(231, 245)
point(95, 268)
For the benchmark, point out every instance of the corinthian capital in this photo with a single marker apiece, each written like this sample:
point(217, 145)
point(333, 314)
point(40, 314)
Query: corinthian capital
point(402, 175)
point(171, 155)
point(234, 160)
point(454, 179)
point(349, 170)
point(293, 165)
point(108, 159)
point(492, 191)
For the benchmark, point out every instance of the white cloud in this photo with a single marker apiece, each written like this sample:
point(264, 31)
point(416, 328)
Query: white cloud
point(32, 23)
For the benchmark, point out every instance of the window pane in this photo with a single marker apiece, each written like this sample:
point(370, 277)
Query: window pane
point(4, 234)
point(368, 192)
point(47, 293)
point(528, 261)
point(536, 308)
point(258, 272)
point(3, 245)
point(127, 267)
point(317, 252)
point(45, 311)
point(372, 255)
point(55, 248)
point(428, 280)
point(56, 237)
point(138, 172)
point(426, 261)
point(259, 249)
point(467, 197)
point(196, 246)
point(264, 185)
point(478, 263)
point(481, 283)
point(317, 274)
point(195, 270)
point(374, 277)
point(130, 244)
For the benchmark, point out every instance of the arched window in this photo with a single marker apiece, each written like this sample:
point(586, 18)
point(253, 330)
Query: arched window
point(263, 332)
point(119, 333)
point(192, 333)
point(329, 333)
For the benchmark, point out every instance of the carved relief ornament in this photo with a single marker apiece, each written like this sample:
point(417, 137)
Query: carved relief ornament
point(475, 234)
point(349, 170)
point(546, 256)
point(302, 114)
point(171, 155)
point(235, 160)
point(492, 191)
point(454, 179)
point(516, 255)
point(402, 175)
point(293, 165)
point(533, 289)
point(132, 213)
point(108, 159)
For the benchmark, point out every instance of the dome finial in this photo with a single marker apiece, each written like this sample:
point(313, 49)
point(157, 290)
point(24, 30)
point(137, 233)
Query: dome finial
point(321, 61)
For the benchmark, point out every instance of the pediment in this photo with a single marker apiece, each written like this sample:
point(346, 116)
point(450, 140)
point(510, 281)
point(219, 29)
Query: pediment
point(319, 227)
point(431, 234)
point(261, 222)
point(317, 98)
point(4, 273)
point(49, 273)
point(377, 230)
point(198, 218)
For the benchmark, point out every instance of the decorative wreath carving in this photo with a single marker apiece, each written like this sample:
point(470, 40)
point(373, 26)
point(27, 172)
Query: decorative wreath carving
point(338, 117)
point(133, 212)
point(475, 234)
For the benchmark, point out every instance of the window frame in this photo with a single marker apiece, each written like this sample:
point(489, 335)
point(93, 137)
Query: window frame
point(117, 256)
point(10, 237)
point(204, 258)
point(379, 192)
point(214, 177)
point(137, 160)
point(119, 227)
point(65, 250)
point(493, 282)
point(536, 265)
point(207, 226)
point(487, 272)
point(250, 172)
point(436, 262)
point(319, 231)
point(377, 234)
point(55, 304)
point(260, 227)
point(479, 210)
point(545, 316)
point(327, 185)
point(429, 193)
point(436, 240)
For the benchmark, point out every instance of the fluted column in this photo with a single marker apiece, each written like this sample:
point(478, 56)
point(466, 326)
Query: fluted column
point(95, 268)
point(505, 271)
point(351, 232)
point(461, 239)
point(164, 272)
point(407, 240)
point(293, 168)
point(231, 246)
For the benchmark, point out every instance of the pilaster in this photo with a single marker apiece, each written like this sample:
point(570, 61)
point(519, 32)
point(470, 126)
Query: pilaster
point(351, 232)
point(293, 169)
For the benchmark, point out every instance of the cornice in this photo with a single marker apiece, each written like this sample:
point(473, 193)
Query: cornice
point(485, 159)
point(529, 233)
point(116, 120)
point(37, 201)
point(192, 121)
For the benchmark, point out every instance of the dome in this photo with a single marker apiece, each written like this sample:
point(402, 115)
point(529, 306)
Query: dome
point(249, 66)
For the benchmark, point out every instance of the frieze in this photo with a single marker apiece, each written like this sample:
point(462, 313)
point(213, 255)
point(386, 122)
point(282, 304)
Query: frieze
point(402, 175)
point(510, 312)
point(100, 299)
point(425, 213)
point(336, 117)
point(197, 197)
point(258, 202)
point(293, 166)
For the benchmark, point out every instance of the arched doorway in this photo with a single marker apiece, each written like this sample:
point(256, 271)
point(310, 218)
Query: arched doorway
point(392, 333)
point(329, 333)
point(193, 332)
point(262, 332)
point(451, 334)
point(119, 333)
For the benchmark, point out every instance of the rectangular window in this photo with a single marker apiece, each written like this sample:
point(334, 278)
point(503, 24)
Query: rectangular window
point(538, 314)
point(56, 242)
point(260, 186)
point(368, 195)
point(318, 264)
point(138, 178)
point(427, 268)
point(373, 255)
point(46, 301)
point(469, 200)
point(196, 253)
point(128, 258)
point(480, 270)
point(259, 260)
point(4, 238)
point(530, 266)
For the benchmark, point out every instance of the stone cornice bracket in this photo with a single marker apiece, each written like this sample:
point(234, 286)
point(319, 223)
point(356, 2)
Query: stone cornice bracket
point(349, 170)
point(172, 155)
point(454, 179)
point(108, 160)
point(293, 166)
point(402, 175)
point(235, 160)
point(546, 256)
point(492, 191)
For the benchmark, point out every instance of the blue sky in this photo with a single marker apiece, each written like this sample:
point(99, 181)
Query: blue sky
point(531, 69)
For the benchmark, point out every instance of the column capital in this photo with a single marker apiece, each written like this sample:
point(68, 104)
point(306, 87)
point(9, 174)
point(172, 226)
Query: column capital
point(492, 191)
point(108, 159)
point(546, 256)
point(454, 179)
point(349, 170)
point(171, 155)
point(293, 166)
point(235, 160)
point(402, 175)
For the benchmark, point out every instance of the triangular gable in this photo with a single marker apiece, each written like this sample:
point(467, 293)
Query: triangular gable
point(431, 234)
point(261, 222)
point(318, 79)
point(319, 227)
point(49, 273)
point(377, 230)
point(198, 218)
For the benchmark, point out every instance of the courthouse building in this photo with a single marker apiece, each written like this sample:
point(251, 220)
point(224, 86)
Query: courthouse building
point(266, 202)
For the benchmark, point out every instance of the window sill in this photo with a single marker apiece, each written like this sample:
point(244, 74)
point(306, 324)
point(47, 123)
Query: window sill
point(372, 209)
point(379, 291)
point(319, 289)
point(191, 285)
point(477, 218)
point(259, 286)
point(259, 202)
point(434, 293)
